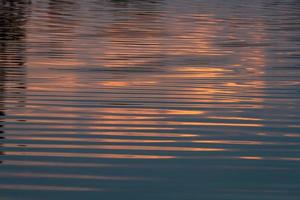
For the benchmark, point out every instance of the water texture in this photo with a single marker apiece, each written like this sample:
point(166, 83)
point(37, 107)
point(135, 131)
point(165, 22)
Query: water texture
point(152, 99)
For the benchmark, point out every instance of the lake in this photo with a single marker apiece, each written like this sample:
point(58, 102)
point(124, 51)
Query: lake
point(150, 99)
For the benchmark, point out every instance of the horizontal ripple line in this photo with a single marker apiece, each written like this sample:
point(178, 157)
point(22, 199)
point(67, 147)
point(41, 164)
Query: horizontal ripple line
point(86, 155)
point(68, 176)
point(117, 147)
point(18, 187)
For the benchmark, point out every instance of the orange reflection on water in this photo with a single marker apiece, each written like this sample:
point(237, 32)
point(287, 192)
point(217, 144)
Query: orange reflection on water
point(148, 83)
point(92, 139)
point(87, 155)
point(51, 63)
point(120, 147)
point(184, 112)
point(235, 118)
point(109, 133)
point(269, 158)
point(251, 157)
point(115, 83)
point(240, 142)
point(215, 124)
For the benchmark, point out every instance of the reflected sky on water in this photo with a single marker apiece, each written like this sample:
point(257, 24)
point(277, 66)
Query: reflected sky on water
point(161, 99)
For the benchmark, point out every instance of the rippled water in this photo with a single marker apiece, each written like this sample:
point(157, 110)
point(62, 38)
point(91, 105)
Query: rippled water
point(160, 99)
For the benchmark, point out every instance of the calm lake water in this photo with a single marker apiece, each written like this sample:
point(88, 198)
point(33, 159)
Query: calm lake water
point(150, 99)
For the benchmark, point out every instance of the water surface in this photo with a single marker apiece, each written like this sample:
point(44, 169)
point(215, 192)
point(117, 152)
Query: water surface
point(160, 99)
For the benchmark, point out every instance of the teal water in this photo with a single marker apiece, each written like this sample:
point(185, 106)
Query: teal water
point(154, 100)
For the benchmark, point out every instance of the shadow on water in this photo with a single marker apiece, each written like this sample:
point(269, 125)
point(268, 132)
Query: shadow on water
point(12, 57)
point(136, 3)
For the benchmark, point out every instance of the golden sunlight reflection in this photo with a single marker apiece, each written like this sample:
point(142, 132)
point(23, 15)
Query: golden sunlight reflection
point(107, 95)
point(120, 147)
point(88, 155)
point(251, 157)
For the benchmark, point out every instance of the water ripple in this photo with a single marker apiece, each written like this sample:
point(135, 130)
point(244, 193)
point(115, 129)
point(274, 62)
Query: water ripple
point(160, 99)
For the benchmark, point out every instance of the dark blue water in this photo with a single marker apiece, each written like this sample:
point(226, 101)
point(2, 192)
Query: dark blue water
point(153, 100)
